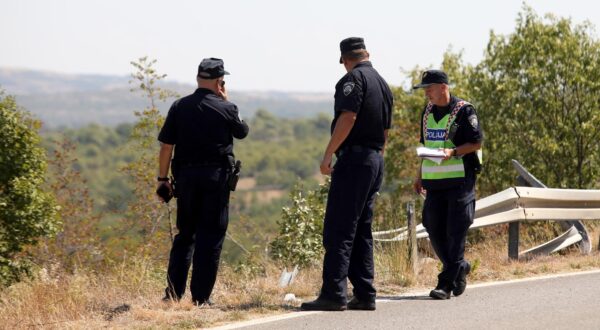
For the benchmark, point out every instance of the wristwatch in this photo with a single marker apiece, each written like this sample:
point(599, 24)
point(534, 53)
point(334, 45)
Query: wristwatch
point(162, 179)
point(454, 152)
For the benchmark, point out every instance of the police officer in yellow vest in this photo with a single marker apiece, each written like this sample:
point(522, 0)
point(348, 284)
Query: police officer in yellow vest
point(450, 124)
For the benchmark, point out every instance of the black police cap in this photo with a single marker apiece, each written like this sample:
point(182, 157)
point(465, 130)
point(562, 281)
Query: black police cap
point(350, 44)
point(211, 68)
point(431, 77)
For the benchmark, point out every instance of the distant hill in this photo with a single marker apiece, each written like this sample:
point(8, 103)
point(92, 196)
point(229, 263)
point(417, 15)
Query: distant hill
point(76, 100)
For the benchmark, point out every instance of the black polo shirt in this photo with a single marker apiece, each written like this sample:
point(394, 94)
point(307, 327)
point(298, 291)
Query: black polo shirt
point(202, 127)
point(364, 92)
point(468, 131)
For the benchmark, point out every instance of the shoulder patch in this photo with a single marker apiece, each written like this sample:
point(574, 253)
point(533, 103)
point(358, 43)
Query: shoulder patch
point(473, 121)
point(348, 88)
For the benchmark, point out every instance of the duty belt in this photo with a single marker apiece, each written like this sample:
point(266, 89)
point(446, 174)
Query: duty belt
point(355, 148)
point(205, 163)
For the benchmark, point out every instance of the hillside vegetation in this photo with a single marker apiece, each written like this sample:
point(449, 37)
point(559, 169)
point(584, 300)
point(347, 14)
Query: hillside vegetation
point(536, 94)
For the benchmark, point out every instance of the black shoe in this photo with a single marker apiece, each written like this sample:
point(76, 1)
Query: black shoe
point(461, 282)
point(322, 305)
point(362, 305)
point(440, 293)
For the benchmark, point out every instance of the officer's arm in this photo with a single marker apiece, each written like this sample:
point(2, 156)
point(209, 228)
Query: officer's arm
point(463, 149)
point(385, 138)
point(418, 183)
point(239, 128)
point(471, 133)
point(343, 126)
point(164, 159)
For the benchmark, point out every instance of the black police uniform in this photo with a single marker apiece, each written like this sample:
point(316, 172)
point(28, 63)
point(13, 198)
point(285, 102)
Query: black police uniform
point(355, 181)
point(202, 127)
point(449, 209)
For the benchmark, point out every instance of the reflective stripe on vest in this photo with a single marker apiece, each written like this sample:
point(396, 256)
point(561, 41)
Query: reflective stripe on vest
point(435, 135)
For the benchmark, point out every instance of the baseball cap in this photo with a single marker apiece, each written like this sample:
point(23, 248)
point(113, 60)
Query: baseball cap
point(350, 44)
point(431, 77)
point(211, 68)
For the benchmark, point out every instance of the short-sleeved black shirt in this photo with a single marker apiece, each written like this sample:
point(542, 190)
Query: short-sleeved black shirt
point(202, 127)
point(364, 92)
point(468, 131)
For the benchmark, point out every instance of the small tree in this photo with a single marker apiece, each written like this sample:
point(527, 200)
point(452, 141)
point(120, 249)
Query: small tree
point(145, 215)
point(300, 239)
point(27, 212)
point(78, 243)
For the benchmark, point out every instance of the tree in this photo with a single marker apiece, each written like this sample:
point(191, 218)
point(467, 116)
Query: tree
point(145, 219)
point(27, 212)
point(78, 242)
point(537, 90)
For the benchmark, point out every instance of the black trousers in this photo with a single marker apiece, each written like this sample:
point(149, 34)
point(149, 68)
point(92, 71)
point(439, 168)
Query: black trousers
point(447, 219)
point(202, 219)
point(347, 237)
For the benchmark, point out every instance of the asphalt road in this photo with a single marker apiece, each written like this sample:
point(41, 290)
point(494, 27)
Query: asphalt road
point(570, 301)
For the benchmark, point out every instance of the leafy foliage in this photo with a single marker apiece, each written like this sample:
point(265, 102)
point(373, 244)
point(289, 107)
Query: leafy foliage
point(301, 228)
point(27, 212)
point(78, 244)
point(538, 93)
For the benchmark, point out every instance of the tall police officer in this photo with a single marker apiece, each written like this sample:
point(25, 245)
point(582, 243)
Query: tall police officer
point(450, 124)
point(363, 112)
point(201, 126)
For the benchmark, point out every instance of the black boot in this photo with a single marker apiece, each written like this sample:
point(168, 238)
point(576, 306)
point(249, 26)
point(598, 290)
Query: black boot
point(321, 304)
point(441, 291)
point(170, 297)
point(461, 281)
point(364, 305)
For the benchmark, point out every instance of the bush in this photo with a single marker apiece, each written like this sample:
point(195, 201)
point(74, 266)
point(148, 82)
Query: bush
point(301, 228)
point(27, 212)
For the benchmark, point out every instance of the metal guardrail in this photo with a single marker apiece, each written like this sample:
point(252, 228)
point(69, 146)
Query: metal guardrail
point(522, 204)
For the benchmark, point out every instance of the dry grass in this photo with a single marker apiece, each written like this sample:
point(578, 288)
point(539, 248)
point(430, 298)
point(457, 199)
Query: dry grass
point(129, 295)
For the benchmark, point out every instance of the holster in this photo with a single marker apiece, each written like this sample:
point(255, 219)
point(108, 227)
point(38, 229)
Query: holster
point(234, 172)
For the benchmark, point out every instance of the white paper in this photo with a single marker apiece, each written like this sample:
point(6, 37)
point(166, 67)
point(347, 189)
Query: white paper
point(430, 152)
point(434, 155)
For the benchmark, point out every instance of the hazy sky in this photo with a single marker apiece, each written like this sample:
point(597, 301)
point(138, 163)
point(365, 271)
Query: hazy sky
point(266, 45)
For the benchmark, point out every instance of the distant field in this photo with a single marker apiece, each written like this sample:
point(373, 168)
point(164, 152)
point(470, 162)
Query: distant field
point(75, 100)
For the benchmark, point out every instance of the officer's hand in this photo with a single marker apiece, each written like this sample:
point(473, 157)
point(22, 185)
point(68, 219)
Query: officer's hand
point(222, 91)
point(418, 186)
point(326, 168)
point(447, 153)
point(165, 183)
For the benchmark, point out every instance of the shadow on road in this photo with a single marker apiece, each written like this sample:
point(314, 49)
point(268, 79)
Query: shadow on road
point(405, 297)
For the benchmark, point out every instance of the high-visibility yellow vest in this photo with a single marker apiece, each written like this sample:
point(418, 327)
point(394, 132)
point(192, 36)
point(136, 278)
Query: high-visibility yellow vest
point(449, 172)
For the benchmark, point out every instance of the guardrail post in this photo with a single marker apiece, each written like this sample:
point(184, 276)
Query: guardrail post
point(513, 228)
point(413, 256)
point(513, 240)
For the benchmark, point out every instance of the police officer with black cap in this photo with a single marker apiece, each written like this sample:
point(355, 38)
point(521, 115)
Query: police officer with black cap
point(363, 114)
point(200, 127)
point(449, 124)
